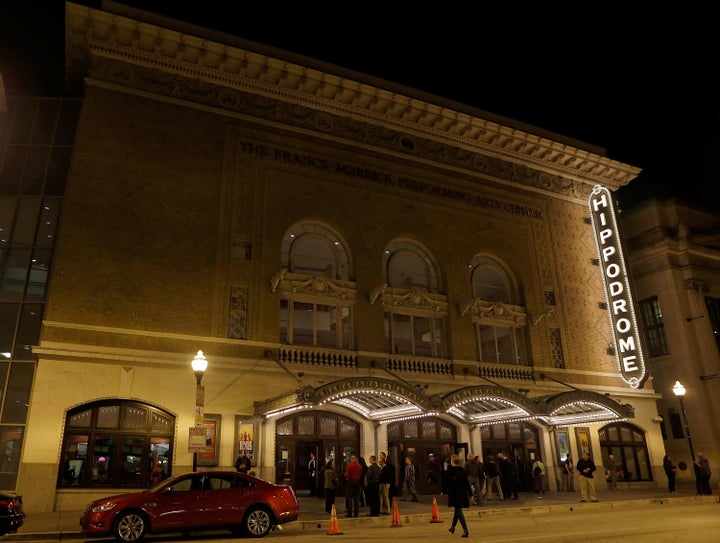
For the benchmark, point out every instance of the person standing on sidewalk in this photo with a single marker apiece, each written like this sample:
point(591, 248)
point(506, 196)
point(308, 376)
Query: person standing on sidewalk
point(670, 471)
point(372, 487)
point(387, 480)
point(703, 474)
point(586, 468)
point(353, 477)
point(409, 481)
point(330, 484)
point(508, 480)
point(538, 474)
point(611, 472)
point(568, 474)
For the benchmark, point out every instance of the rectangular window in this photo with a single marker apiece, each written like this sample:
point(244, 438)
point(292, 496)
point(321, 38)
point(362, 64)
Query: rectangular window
point(651, 321)
point(676, 426)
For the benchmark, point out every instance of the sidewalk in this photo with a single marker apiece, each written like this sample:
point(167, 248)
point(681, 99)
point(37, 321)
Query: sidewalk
point(66, 524)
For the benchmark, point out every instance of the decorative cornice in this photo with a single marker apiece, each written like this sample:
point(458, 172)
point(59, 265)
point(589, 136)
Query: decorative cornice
point(215, 71)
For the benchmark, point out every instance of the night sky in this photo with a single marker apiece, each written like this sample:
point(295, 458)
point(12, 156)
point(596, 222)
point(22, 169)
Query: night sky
point(644, 91)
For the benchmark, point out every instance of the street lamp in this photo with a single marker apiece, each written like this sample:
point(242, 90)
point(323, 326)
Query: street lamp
point(679, 391)
point(199, 365)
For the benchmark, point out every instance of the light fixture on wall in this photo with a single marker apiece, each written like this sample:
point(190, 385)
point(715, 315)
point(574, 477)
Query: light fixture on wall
point(657, 419)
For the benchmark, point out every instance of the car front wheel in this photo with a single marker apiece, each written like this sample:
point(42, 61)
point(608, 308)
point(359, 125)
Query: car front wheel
point(130, 527)
point(258, 522)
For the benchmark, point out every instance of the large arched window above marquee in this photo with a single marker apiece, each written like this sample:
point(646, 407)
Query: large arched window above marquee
point(115, 443)
point(498, 313)
point(316, 292)
point(627, 443)
point(415, 311)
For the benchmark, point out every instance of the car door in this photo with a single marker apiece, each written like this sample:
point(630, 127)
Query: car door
point(223, 499)
point(180, 506)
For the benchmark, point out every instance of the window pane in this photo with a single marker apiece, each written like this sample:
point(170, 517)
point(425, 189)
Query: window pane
point(486, 337)
point(506, 351)
point(73, 460)
point(346, 323)
point(11, 440)
point(160, 455)
point(326, 318)
point(422, 336)
point(283, 321)
point(313, 256)
point(108, 416)
point(285, 428)
point(402, 334)
point(17, 399)
point(81, 420)
point(328, 426)
point(8, 322)
point(410, 429)
point(306, 425)
point(28, 333)
point(132, 460)
point(135, 417)
point(103, 450)
point(7, 216)
point(35, 167)
point(27, 218)
point(303, 323)
point(161, 422)
point(39, 269)
point(14, 274)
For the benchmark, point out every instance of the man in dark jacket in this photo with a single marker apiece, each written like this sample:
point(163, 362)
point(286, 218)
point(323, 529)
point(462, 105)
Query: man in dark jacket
point(508, 481)
point(387, 480)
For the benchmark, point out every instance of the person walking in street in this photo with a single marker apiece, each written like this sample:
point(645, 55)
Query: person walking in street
point(459, 493)
point(408, 487)
point(472, 469)
point(353, 481)
point(387, 480)
point(568, 473)
point(702, 474)
point(372, 487)
point(611, 473)
point(493, 478)
point(508, 477)
point(586, 468)
point(670, 471)
point(330, 485)
point(538, 474)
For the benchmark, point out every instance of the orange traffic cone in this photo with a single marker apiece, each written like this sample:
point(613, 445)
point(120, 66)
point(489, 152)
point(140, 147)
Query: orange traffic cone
point(396, 515)
point(435, 511)
point(333, 529)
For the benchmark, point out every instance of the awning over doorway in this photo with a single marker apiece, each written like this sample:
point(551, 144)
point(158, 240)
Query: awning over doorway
point(384, 401)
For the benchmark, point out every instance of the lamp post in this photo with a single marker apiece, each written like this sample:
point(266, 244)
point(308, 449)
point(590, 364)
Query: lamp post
point(199, 365)
point(679, 391)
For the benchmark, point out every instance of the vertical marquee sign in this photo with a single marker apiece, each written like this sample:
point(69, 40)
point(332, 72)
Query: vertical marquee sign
point(617, 288)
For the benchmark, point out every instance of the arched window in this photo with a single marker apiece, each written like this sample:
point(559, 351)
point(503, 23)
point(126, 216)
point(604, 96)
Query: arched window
point(115, 443)
point(415, 313)
point(499, 318)
point(627, 443)
point(316, 293)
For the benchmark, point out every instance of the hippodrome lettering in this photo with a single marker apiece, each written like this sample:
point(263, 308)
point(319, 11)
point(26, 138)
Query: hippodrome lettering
point(617, 288)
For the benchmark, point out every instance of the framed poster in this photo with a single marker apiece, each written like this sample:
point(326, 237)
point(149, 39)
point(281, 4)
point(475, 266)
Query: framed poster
point(245, 438)
point(563, 444)
point(211, 456)
point(583, 440)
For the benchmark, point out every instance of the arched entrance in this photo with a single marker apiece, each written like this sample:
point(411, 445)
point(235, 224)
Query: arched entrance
point(627, 443)
point(326, 434)
point(520, 441)
point(427, 441)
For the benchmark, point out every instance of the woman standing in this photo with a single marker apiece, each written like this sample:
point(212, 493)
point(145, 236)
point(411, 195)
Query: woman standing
point(459, 493)
point(670, 471)
point(330, 484)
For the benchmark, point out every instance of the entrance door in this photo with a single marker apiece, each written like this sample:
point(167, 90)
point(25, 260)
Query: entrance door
point(303, 482)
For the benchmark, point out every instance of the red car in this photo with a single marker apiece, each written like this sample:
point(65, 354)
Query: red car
point(211, 500)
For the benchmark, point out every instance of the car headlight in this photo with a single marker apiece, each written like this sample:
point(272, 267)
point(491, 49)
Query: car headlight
point(102, 507)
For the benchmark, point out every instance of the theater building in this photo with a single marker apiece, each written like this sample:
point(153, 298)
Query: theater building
point(365, 267)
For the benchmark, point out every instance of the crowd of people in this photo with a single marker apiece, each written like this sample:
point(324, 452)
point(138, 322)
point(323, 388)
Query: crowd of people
point(376, 482)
